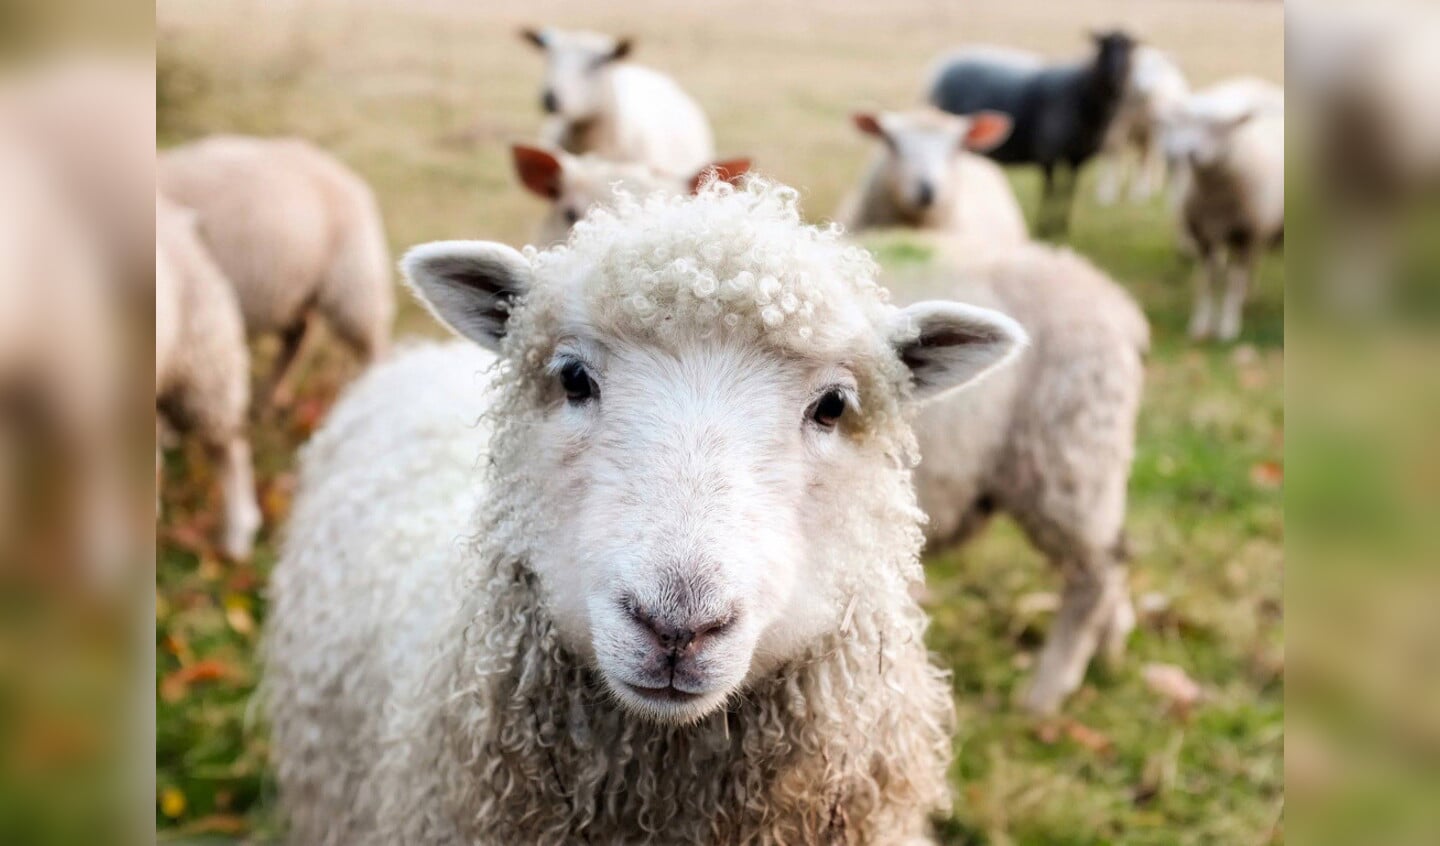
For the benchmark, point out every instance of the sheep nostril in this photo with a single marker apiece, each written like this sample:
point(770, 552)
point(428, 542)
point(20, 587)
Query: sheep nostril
point(925, 196)
point(550, 103)
point(675, 637)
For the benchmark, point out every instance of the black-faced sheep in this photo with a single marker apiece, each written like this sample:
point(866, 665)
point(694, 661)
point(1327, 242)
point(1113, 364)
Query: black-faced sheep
point(663, 592)
point(1061, 113)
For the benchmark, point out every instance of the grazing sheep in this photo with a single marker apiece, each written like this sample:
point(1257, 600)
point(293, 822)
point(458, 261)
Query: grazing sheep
point(202, 367)
point(1232, 203)
point(576, 184)
point(925, 177)
point(1155, 89)
point(1048, 441)
point(663, 593)
point(1060, 113)
point(296, 233)
point(601, 104)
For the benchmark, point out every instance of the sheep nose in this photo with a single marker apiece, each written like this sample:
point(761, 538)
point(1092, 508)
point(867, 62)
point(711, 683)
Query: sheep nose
point(925, 196)
point(549, 102)
point(675, 636)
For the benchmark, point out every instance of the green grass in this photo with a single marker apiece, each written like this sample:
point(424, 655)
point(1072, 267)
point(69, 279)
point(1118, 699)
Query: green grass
point(388, 92)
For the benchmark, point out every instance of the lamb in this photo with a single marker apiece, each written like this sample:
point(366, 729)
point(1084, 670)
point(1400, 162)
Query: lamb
point(576, 184)
point(1061, 113)
point(296, 233)
point(685, 619)
point(599, 103)
point(1048, 441)
point(926, 177)
point(1155, 89)
point(202, 366)
point(1232, 203)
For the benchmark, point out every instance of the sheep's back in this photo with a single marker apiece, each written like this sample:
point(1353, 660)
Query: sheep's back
point(272, 212)
point(369, 569)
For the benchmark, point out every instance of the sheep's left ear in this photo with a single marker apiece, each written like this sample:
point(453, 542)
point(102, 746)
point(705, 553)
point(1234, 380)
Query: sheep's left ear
point(622, 49)
point(987, 131)
point(470, 286)
point(729, 170)
point(947, 345)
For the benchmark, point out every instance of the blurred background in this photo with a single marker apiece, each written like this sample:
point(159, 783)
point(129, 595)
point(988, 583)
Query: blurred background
point(1188, 742)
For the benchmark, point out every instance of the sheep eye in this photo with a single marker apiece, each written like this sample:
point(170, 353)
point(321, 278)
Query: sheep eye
point(827, 410)
point(575, 379)
point(571, 216)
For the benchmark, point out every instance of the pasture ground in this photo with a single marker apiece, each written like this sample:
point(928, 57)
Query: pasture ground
point(422, 98)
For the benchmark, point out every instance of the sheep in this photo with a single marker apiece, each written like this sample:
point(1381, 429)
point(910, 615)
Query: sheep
point(687, 619)
point(925, 177)
point(599, 103)
point(1154, 90)
point(1048, 441)
point(575, 184)
point(296, 233)
point(202, 369)
point(59, 377)
point(1061, 113)
point(1232, 201)
point(59, 110)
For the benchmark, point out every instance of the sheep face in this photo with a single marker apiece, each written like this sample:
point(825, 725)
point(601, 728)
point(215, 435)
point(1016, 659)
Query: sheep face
point(921, 148)
point(699, 396)
point(1113, 52)
point(576, 65)
point(1201, 139)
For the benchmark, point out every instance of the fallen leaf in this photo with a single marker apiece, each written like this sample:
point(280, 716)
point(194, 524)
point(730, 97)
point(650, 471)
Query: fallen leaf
point(1267, 474)
point(1087, 737)
point(176, 685)
point(237, 614)
point(275, 500)
point(172, 802)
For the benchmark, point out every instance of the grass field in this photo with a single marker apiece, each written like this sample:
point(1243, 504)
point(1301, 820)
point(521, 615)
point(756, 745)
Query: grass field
point(422, 98)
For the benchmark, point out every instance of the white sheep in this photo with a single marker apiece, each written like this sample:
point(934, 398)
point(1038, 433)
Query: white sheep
point(1133, 153)
point(59, 367)
point(295, 232)
point(202, 366)
point(599, 103)
point(1231, 139)
point(575, 184)
point(927, 177)
point(663, 592)
point(1048, 441)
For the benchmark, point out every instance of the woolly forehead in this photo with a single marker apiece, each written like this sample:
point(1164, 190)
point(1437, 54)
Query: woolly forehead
point(727, 265)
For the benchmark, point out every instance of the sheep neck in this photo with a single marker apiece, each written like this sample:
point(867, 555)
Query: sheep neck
point(800, 757)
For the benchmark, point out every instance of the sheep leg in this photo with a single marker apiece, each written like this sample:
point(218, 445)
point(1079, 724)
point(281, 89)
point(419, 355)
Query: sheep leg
point(1116, 633)
point(281, 386)
point(1207, 280)
point(1111, 178)
point(1087, 607)
point(1237, 286)
point(237, 485)
point(1150, 171)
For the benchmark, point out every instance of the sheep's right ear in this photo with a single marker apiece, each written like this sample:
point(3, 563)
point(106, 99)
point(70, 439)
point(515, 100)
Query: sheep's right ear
point(539, 170)
point(729, 170)
point(470, 286)
point(947, 345)
point(534, 36)
point(868, 124)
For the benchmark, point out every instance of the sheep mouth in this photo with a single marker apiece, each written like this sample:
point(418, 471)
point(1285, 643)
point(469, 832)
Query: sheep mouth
point(670, 694)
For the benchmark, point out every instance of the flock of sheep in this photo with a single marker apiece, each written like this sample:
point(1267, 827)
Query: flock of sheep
point(664, 588)
point(673, 598)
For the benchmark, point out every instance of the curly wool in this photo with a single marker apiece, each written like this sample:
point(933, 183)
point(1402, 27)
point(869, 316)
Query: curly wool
point(419, 689)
